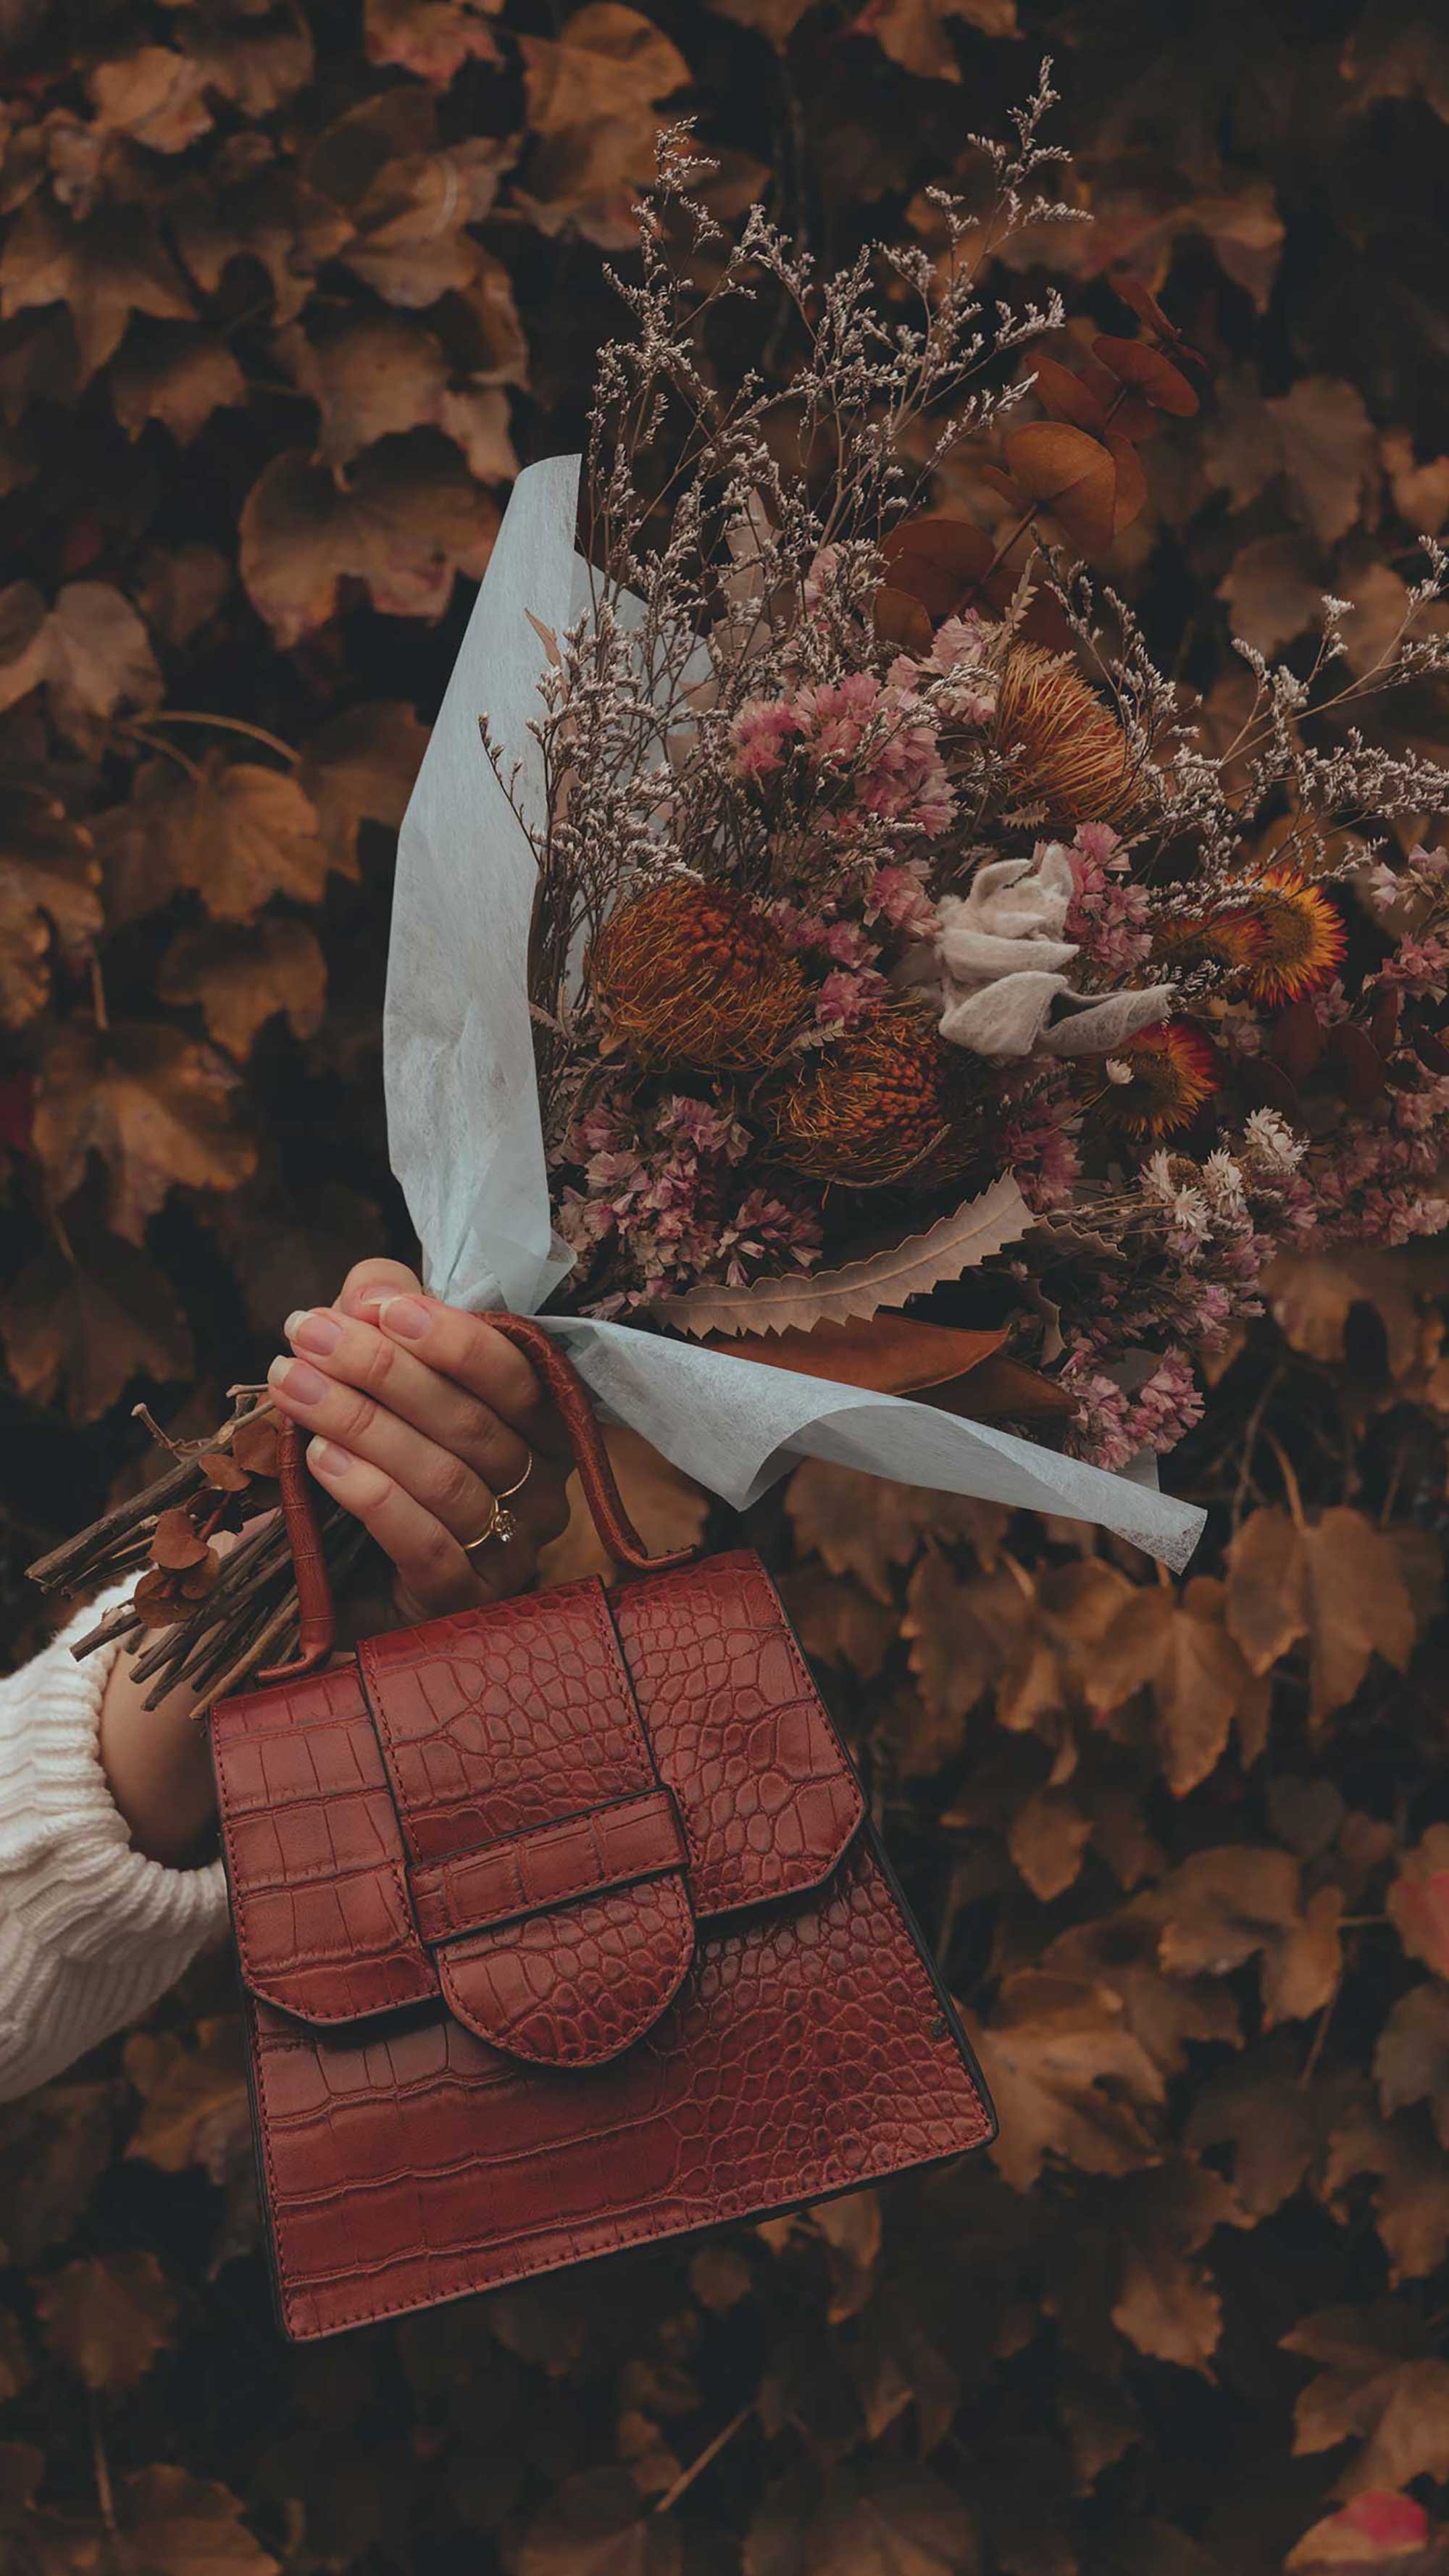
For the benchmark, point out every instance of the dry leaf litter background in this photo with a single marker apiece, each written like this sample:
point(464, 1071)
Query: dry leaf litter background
point(286, 293)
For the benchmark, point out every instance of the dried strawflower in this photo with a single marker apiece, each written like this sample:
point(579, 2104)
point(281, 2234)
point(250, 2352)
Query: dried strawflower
point(1071, 754)
point(692, 974)
point(1171, 1071)
point(884, 1105)
point(1298, 934)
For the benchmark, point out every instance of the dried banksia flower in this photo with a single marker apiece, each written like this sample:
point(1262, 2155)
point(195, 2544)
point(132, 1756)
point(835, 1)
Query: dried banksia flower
point(1170, 1070)
point(883, 1105)
point(1072, 755)
point(693, 974)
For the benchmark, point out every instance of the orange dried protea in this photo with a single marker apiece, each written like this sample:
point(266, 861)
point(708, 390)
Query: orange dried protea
point(1173, 1070)
point(1072, 755)
point(883, 1105)
point(694, 974)
point(1299, 934)
point(1232, 940)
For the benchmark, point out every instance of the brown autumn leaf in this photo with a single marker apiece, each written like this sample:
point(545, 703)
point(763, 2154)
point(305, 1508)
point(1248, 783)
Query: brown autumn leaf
point(1068, 2077)
point(370, 375)
point(1166, 2304)
point(777, 19)
point(49, 899)
point(1330, 448)
point(249, 207)
point(1046, 1839)
point(592, 98)
point(861, 1526)
point(234, 830)
point(409, 520)
point(256, 58)
point(242, 976)
point(1381, 2530)
point(1177, 1647)
point(1378, 2386)
point(431, 38)
point(1420, 488)
point(1411, 2059)
point(102, 270)
point(883, 2518)
point(108, 2317)
point(154, 95)
point(174, 2524)
point(1166, 2013)
point(914, 34)
point(54, 2147)
point(194, 2096)
point(181, 588)
point(360, 769)
point(962, 1633)
point(1418, 1900)
point(80, 1329)
point(840, 1623)
point(1336, 1582)
point(1276, 2126)
point(1411, 2194)
point(1223, 1907)
point(1315, 1297)
point(594, 2525)
point(178, 376)
point(158, 1108)
point(1071, 474)
point(408, 196)
point(89, 652)
point(1274, 591)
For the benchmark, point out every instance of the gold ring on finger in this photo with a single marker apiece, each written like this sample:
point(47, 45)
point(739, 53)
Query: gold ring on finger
point(501, 1523)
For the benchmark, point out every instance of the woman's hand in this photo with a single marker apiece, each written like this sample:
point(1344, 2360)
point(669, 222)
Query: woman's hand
point(420, 1416)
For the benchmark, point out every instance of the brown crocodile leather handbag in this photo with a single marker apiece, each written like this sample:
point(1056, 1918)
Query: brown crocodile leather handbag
point(562, 1928)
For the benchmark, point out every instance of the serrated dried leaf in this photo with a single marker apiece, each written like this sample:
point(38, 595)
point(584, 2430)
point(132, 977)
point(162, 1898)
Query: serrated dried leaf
point(975, 1232)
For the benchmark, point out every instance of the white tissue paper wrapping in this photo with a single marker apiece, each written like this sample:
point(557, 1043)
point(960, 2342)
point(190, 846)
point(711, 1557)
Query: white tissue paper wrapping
point(463, 1112)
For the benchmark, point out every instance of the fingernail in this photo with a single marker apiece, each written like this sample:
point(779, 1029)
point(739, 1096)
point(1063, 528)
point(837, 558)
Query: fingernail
point(316, 1331)
point(293, 1320)
point(328, 1459)
point(404, 1315)
point(303, 1384)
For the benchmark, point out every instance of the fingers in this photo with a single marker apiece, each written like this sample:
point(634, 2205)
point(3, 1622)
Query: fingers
point(472, 1355)
point(433, 1574)
point(442, 1479)
point(367, 1281)
point(347, 1376)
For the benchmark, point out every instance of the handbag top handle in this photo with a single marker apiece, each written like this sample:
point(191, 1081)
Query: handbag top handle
point(317, 1632)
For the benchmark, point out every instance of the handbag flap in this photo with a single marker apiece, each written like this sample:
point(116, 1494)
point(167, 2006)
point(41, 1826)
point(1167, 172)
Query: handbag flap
point(526, 1807)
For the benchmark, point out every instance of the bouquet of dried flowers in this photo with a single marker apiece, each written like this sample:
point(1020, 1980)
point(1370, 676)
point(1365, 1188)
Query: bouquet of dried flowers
point(906, 947)
point(881, 866)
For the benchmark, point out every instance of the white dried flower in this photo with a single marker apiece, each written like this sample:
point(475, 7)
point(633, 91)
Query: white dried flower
point(1269, 1144)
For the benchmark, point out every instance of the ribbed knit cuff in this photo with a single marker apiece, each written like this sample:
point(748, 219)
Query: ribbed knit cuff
point(90, 1930)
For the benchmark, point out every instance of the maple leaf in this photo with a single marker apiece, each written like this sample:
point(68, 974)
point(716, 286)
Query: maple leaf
point(1069, 2078)
point(90, 652)
point(179, 378)
point(1224, 1907)
point(1411, 2059)
point(360, 769)
point(410, 519)
point(154, 95)
point(1418, 1900)
point(913, 32)
point(433, 38)
point(1119, 1951)
point(157, 1107)
point(250, 207)
point(1411, 2201)
point(777, 19)
point(102, 270)
point(1177, 1647)
point(1379, 2386)
point(407, 196)
point(1165, 2303)
point(593, 2527)
point(593, 97)
point(173, 2524)
point(85, 1320)
point(1330, 447)
point(883, 2519)
point(1337, 1582)
point(1276, 2126)
point(1273, 590)
point(838, 1623)
point(195, 2098)
point(49, 875)
point(242, 977)
point(258, 66)
point(108, 2317)
point(235, 831)
point(54, 2147)
point(1380, 2529)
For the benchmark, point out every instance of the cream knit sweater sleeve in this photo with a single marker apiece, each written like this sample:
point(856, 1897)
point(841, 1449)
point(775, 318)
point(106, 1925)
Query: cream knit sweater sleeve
point(90, 1932)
